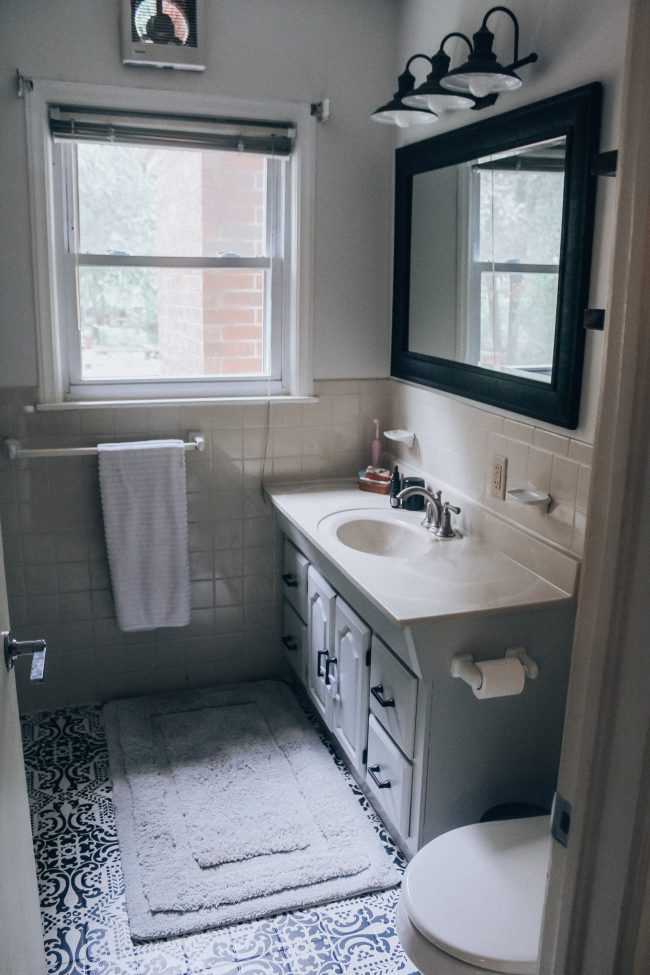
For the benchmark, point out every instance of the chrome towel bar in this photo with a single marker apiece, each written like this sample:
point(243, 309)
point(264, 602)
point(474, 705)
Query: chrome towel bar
point(13, 449)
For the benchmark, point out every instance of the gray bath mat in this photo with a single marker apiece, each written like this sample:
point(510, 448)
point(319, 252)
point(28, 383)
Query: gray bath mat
point(229, 808)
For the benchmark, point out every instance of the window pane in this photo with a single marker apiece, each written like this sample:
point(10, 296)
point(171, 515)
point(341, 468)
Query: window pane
point(518, 322)
point(520, 216)
point(141, 323)
point(170, 202)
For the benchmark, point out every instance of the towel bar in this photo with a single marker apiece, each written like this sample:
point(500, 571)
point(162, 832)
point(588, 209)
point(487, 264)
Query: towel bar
point(13, 450)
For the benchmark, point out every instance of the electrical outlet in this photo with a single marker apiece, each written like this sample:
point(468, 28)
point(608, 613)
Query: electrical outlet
point(498, 476)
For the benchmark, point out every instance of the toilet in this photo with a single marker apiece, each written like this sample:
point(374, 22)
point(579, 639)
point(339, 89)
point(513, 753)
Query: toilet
point(472, 899)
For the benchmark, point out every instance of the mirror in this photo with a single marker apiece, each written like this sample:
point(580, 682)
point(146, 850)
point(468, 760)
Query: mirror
point(492, 251)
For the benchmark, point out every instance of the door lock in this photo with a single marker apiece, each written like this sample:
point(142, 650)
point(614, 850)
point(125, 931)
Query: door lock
point(17, 648)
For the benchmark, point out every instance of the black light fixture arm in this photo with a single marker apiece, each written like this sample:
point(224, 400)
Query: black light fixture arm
point(516, 61)
point(456, 33)
point(414, 57)
point(406, 80)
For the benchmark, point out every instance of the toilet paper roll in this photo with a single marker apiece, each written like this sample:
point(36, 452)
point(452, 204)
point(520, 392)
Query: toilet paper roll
point(500, 678)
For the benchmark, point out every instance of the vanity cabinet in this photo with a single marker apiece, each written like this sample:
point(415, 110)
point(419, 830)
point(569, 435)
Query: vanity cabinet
point(375, 655)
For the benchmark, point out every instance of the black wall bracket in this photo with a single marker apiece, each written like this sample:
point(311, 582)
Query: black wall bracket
point(604, 163)
point(594, 319)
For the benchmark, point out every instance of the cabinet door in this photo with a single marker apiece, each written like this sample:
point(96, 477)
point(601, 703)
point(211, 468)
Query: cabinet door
point(294, 641)
point(389, 777)
point(348, 682)
point(294, 578)
point(393, 696)
point(320, 627)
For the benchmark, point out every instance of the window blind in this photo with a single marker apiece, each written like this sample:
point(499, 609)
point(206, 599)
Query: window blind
point(80, 123)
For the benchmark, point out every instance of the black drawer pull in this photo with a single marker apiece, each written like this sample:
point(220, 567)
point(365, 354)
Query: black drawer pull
point(328, 663)
point(290, 580)
point(378, 694)
point(321, 653)
point(290, 643)
point(372, 771)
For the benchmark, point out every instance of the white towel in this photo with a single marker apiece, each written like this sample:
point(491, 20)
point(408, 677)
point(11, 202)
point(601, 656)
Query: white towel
point(144, 501)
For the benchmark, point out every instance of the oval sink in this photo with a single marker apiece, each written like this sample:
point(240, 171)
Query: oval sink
point(375, 534)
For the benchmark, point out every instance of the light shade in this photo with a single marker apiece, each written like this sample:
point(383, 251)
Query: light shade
point(431, 96)
point(397, 112)
point(394, 113)
point(482, 74)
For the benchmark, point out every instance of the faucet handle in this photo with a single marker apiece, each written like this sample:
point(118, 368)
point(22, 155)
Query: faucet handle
point(445, 530)
point(429, 519)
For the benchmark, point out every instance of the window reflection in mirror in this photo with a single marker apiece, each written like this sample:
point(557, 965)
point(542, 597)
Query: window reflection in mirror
point(484, 271)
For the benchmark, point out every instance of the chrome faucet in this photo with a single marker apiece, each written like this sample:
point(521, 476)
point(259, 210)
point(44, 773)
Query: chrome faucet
point(438, 513)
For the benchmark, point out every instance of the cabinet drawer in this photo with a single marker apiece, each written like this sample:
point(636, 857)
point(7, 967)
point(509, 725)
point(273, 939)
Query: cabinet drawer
point(294, 578)
point(294, 640)
point(388, 777)
point(392, 684)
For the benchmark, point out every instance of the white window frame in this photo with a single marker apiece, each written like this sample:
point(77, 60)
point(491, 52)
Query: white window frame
point(53, 292)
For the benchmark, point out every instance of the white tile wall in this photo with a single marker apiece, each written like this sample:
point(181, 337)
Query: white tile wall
point(57, 574)
point(455, 442)
point(56, 565)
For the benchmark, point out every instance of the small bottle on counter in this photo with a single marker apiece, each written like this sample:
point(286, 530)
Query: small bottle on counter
point(395, 488)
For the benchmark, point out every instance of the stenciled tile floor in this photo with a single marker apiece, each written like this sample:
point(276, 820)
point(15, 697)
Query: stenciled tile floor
point(82, 889)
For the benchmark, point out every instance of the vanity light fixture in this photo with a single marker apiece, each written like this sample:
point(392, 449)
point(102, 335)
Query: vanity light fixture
point(475, 84)
point(431, 95)
point(482, 75)
point(396, 111)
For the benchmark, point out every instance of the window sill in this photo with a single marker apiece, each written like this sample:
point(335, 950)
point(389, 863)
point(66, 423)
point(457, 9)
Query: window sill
point(186, 401)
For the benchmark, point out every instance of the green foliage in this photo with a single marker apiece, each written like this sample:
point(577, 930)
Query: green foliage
point(117, 207)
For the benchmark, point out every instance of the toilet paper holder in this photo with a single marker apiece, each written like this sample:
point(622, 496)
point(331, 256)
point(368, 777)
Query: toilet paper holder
point(463, 666)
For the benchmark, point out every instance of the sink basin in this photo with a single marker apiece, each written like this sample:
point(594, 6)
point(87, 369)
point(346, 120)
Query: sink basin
point(378, 533)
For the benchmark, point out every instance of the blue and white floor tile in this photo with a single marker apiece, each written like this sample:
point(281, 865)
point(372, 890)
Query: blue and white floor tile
point(82, 888)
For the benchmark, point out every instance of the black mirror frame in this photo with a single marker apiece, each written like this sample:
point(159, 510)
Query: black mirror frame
point(575, 114)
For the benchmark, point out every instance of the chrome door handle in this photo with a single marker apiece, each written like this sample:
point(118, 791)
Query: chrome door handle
point(378, 694)
point(16, 648)
point(372, 772)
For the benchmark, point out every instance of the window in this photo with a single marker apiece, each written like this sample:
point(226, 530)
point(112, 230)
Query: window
point(516, 205)
point(173, 255)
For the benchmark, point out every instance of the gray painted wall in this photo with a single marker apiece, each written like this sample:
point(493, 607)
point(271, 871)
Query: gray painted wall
point(285, 50)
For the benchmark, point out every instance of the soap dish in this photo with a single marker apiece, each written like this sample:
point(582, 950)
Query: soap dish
point(530, 496)
point(402, 436)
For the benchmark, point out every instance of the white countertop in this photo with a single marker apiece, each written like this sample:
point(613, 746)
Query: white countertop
point(455, 577)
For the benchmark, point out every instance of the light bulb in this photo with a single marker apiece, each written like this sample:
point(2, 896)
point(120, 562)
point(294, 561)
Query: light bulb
point(481, 85)
point(404, 118)
point(485, 83)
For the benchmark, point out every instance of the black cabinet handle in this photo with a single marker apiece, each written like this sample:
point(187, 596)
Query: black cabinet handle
point(290, 580)
point(378, 694)
point(372, 772)
point(319, 670)
point(328, 663)
point(290, 643)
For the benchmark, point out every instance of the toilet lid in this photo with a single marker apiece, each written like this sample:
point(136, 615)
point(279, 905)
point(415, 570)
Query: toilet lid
point(478, 892)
